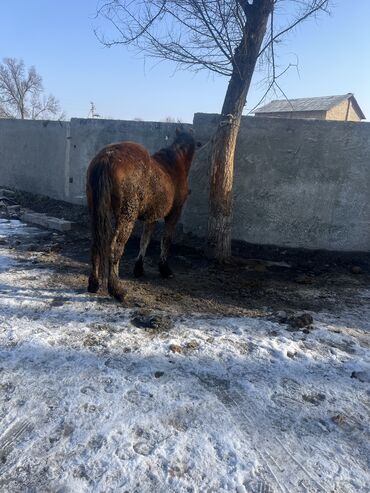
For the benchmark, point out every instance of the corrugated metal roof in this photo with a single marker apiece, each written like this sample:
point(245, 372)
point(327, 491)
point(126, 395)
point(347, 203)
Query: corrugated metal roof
point(303, 104)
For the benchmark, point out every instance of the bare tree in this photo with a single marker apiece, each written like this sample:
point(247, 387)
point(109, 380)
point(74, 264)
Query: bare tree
point(22, 94)
point(226, 37)
point(171, 119)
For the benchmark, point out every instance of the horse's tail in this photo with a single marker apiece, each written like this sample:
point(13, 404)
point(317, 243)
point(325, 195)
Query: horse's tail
point(100, 184)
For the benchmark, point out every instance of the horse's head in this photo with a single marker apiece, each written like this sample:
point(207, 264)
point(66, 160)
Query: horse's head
point(185, 142)
point(184, 139)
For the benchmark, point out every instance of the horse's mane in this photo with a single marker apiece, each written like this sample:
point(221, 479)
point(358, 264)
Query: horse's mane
point(166, 155)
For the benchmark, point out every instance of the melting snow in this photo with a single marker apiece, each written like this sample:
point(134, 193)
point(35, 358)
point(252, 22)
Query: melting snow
point(89, 402)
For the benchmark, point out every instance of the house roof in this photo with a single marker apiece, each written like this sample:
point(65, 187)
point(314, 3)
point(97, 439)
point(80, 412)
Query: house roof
point(323, 103)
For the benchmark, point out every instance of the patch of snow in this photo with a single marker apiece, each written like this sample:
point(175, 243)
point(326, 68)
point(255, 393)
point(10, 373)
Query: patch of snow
point(89, 402)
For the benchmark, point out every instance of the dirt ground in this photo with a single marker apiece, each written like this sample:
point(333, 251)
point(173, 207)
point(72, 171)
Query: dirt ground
point(260, 281)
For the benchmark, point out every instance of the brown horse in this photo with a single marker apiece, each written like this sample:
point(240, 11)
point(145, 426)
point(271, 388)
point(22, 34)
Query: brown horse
point(125, 183)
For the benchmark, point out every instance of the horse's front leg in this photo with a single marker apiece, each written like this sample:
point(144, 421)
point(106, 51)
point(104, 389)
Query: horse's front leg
point(144, 242)
point(169, 230)
point(120, 238)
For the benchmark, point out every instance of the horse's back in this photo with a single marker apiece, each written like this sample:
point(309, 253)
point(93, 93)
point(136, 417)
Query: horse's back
point(135, 177)
point(122, 156)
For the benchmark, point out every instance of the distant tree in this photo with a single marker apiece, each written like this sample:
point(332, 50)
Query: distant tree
point(171, 119)
point(22, 93)
point(226, 37)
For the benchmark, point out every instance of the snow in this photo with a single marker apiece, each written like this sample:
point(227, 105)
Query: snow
point(89, 402)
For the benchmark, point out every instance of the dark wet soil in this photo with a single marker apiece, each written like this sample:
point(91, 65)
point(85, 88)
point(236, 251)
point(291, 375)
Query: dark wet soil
point(257, 281)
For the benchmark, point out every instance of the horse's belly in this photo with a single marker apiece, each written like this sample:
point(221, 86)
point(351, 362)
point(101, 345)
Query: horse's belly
point(158, 199)
point(153, 215)
point(156, 210)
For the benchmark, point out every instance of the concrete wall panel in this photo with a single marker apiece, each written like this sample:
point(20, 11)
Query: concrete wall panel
point(297, 183)
point(88, 136)
point(33, 156)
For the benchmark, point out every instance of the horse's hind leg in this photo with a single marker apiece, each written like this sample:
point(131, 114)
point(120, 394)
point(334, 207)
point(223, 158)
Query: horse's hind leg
point(169, 229)
point(122, 234)
point(144, 242)
point(93, 285)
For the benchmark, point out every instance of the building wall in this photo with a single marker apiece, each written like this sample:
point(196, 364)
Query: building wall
point(339, 112)
point(297, 183)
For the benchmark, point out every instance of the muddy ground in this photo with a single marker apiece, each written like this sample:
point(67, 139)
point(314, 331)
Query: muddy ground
point(257, 282)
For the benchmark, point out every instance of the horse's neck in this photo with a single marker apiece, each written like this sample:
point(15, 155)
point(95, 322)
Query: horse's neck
point(186, 164)
point(174, 161)
point(183, 166)
point(183, 161)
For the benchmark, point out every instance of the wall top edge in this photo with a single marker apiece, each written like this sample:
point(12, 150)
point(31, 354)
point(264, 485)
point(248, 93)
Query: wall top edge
point(214, 117)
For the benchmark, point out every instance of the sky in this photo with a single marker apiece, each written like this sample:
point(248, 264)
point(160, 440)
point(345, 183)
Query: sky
point(57, 37)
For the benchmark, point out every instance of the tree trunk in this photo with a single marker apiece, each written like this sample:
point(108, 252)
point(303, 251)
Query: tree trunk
point(224, 140)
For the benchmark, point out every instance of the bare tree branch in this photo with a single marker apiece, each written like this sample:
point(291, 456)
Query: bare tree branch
point(315, 6)
point(197, 34)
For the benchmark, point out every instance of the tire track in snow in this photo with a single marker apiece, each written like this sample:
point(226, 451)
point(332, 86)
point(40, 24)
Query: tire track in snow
point(11, 438)
point(269, 450)
point(219, 388)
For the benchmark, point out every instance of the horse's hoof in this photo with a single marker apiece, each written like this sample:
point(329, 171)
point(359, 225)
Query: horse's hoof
point(165, 270)
point(116, 291)
point(120, 296)
point(93, 285)
point(139, 268)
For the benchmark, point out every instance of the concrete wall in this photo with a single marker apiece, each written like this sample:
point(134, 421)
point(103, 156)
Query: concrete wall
point(50, 158)
point(88, 136)
point(306, 115)
point(297, 183)
point(33, 156)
